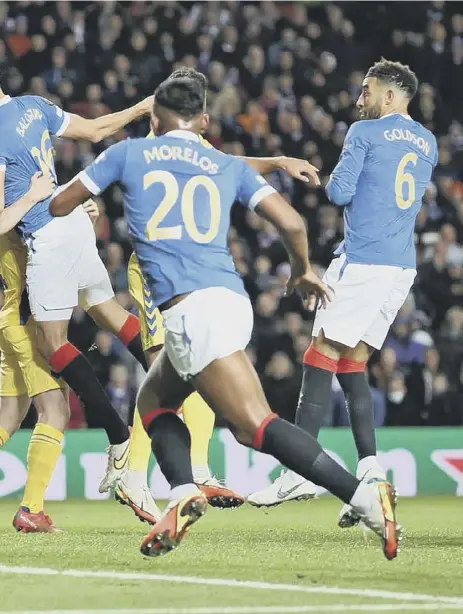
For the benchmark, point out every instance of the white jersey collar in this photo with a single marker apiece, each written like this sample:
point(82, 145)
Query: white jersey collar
point(405, 116)
point(183, 134)
point(5, 100)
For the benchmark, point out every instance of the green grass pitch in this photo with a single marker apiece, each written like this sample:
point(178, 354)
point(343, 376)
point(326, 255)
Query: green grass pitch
point(296, 544)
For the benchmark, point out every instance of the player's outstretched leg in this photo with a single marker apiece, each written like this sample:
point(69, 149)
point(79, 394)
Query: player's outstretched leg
point(43, 453)
point(233, 390)
point(70, 364)
point(200, 420)
point(164, 391)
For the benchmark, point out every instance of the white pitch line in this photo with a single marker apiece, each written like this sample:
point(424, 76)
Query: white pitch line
point(267, 586)
point(384, 607)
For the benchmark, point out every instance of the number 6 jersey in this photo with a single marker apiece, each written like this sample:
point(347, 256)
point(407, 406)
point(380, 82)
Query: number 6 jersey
point(178, 195)
point(381, 178)
point(25, 148)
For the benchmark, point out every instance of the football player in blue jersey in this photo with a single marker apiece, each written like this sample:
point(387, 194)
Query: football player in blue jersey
point(380, 179)
point(178, 197)
point(53, 283)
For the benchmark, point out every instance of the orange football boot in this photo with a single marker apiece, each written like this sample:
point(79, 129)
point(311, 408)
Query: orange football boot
point(218, 495)
point(176, 521)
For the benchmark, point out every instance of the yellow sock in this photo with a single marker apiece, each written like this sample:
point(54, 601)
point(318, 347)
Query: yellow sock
point(140, 446)
point(4, 437)
point(200, 420)
point(43, 454)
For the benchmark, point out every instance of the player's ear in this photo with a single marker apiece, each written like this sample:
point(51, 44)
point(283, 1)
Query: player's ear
point(154, 123)
point(204, 122)
point(389, 99)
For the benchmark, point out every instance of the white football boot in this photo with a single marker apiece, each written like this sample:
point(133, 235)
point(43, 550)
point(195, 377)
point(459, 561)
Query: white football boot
point(288, 487)
point(118, 456)
point(369, 471)
point(375, 505)
point(132, 490)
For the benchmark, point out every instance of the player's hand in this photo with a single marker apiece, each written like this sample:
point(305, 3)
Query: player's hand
point(92, 209)
point(42, 186)
point(300, 169)
point(310, 288)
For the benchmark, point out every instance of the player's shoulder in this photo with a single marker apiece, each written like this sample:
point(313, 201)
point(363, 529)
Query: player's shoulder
point(361, 129)
point(32, 99)
point(425, 132)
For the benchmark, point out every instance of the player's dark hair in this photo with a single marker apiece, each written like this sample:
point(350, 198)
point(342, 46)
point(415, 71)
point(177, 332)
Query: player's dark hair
point(190, 73)
point(397, 74)
point(184, 96)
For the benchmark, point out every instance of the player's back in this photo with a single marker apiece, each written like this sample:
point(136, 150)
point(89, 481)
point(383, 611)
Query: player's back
point(25, 148)
point(179, 192)
point(400, 155)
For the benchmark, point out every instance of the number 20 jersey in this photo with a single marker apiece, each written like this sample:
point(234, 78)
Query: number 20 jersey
point(179, 192)
point(381, 178)
point(25, 148)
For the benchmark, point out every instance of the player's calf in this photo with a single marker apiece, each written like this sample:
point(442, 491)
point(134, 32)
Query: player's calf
point(124, 325)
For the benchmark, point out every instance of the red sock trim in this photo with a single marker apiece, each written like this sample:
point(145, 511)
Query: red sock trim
point(259, 434)
point(63, 357)
point(152, 415)
point(315, 358)
point(345, 365)
point(130, 329)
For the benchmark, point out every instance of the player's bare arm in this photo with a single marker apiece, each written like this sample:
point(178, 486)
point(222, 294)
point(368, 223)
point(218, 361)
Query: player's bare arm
point(96, 130)
point(295, 167)
point(73, 195)
point(41, 187)
point(293, 232)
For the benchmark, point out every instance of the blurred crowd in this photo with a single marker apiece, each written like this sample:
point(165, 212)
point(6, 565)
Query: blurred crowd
point(283, 80)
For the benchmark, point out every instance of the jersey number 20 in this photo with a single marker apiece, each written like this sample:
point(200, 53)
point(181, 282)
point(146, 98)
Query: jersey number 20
point(156, 232)
point(402, 178)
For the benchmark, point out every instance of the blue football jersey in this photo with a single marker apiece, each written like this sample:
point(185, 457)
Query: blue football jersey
point(178, 193)
point(381, 178)
point(25, 148)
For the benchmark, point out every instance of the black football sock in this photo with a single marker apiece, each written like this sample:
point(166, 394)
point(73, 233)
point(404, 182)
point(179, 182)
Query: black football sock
point(77, 372)
point(315, 396)
point(131, 338)
point(301, 453)
point(354, 382)
point(171, 445)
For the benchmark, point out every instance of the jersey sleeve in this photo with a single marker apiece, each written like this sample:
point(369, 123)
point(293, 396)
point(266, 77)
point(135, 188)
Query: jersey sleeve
point(57, 119)
point(252, 187)
point(106, 169)
point(343, 180)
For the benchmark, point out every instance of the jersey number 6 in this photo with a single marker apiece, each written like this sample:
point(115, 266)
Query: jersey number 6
point(402, 178)
point(156, 232)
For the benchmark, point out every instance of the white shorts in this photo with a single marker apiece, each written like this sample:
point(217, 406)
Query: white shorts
point(366, 300)
point(208, 324)
point(63, 265)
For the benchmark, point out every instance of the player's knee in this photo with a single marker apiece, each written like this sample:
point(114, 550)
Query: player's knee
point(49, 342)
point(245, 431)
point(331, 349)
point(147, 399)
point(53, 409)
